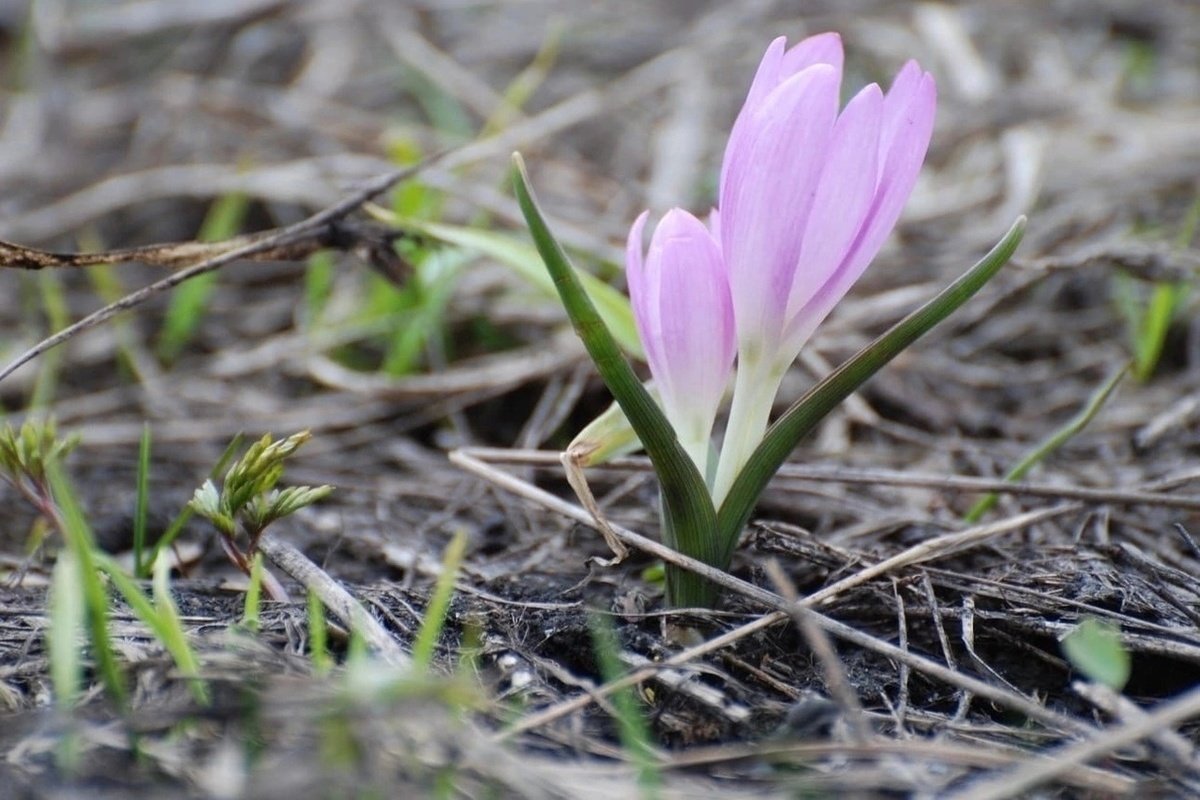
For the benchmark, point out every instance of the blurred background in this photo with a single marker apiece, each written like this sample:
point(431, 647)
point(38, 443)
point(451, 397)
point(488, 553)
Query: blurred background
point(125, 123)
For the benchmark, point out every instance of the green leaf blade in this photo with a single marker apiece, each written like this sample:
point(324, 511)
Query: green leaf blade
point(687, 505)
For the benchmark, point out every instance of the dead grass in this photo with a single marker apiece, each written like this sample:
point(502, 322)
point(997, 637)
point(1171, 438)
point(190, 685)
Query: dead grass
point(923, 657)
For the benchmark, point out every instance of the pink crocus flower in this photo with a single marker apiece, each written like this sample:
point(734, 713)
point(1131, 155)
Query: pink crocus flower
point(684, 314)
point(807, 197)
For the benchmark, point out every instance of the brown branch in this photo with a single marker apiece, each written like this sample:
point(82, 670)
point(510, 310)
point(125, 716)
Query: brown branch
point(326, 228)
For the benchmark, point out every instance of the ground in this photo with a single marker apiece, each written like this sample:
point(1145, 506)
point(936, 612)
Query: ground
point(929, 660)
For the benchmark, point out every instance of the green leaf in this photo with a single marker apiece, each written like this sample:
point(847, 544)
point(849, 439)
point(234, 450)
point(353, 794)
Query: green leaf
point(439, 602)
point(67, 612)
point(79, 540)
point(141, 507)
point(161, 617)
point(253, 601)
point(783, 436)
point(189, 302)
point(1056, 440)
point(611, 304)
point(608, 436)
point(689, 517)
point(1094, 648)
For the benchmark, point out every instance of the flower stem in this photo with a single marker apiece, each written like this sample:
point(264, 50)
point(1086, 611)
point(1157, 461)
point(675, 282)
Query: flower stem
point(754, 392)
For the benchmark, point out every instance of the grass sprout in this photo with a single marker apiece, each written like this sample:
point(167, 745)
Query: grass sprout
point(189, 302)
point(253, 601)
point(318, 645)
point(1054, 441)
point(439, 603)
point(632, 729)
point(142, 503)
point(161, 616)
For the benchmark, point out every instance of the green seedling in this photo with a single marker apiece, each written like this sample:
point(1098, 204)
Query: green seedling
point(1054, 441)
point(30, 461)
point(318, 646)
point(161, 616)
point(176, 527)
point(253, 601)
point(1149, 311)
point(439, 603)
point(318, 287)
point(190, 300)
point(521, 88)
point(524, 260)
point(631, 724)
point(142, 502)
point(1094, 648)
point(68, 613)
point(67, 516)
point(248, 502)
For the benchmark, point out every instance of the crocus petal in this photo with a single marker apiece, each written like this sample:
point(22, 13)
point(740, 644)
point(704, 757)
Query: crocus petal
point(643, 294)
point(680, 297)
point(844, 195)
point(824, 48)
point(905, 131)
point(772, 165)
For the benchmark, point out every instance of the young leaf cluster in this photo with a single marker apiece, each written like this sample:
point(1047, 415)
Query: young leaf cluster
point(26, 454)
point(248, 501)
point(248, 496)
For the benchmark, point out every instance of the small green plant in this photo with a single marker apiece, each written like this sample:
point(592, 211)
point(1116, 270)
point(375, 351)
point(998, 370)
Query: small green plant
point(1149, 309)
point(631, 724)
point(161, 616)
point(190, 301)
point(68, 613)
point(439, 603)
point(318, 646)
point(176, 527)
point(1094, 648)
point(26, 456)
point(142, 503)
point(1054, 441)
point(248, 502)
point(66, 515)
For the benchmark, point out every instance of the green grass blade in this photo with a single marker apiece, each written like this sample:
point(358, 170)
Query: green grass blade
point(67, 612)
point(1153, 326)
point(318, 645)
point(161, 616)
point(253, 602)
point(686, 501)
point(433, 285)
point(318, 286)
point(631, 724)
point(79, 539)
point(1051, 443)
point(439, 603)
point(176, 527)
point(190, 300)
point(64, 636)
point(142, 503)
point(783, 436)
